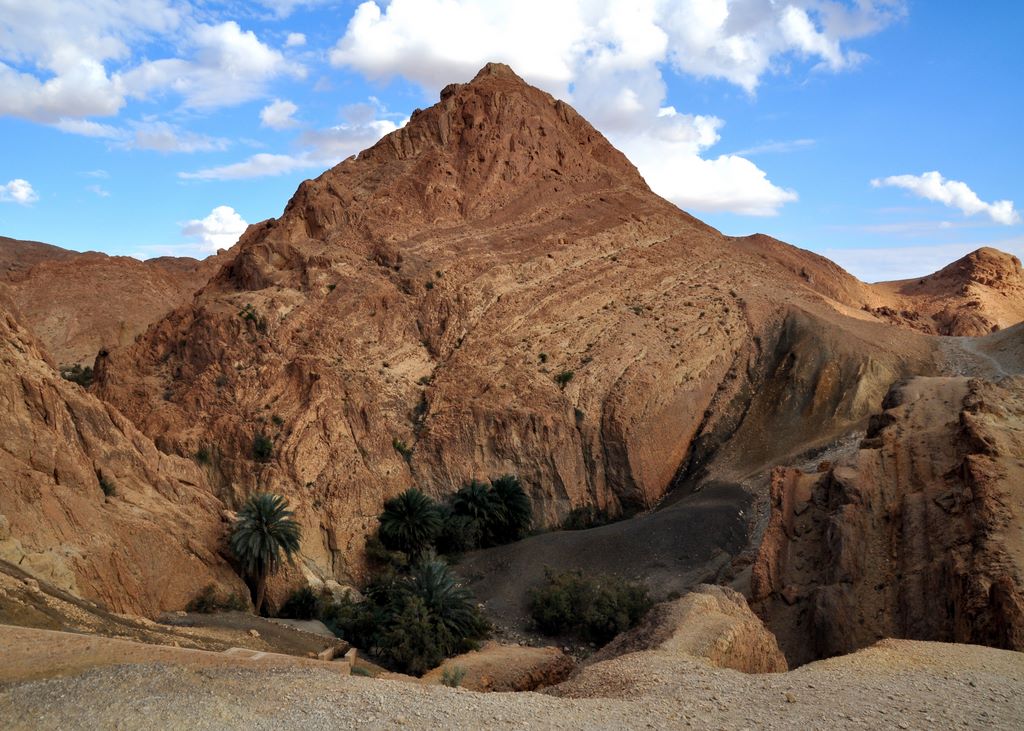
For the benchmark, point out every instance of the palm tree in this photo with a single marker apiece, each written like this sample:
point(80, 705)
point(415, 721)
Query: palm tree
point(518, 513)
point(448, 603)
point(410, 523)
point(263, 531)
point(476, 500)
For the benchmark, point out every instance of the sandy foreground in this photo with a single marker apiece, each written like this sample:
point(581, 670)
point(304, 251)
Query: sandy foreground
point(69, 681)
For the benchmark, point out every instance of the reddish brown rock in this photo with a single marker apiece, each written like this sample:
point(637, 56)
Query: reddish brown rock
point(78, 304)
point(407, 318)
point(149, 546)
point(919, 536)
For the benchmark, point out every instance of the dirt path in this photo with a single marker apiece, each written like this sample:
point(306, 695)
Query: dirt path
point(896, 685)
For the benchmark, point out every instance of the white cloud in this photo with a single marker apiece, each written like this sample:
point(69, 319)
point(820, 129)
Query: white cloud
point(164, 137)
point(98, 190)
point(952, 193)
point(219, 230)
point(322, 148)
point(295, 39)
point(64, 59)
point(88, 128)
point(284, 8)
point(231, 66)
point(605, 56)
point(147, 134)
point(776, 147)
point(278, 114)
point(18, 191)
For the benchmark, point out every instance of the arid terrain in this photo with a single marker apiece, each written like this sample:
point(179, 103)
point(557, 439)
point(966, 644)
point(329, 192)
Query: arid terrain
point(494, 289)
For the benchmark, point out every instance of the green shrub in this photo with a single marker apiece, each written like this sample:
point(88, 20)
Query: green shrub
point(594, 609)
point(262, 447)
point(77, 374)
point(453, 677)
point(402, 448)
point(584, 517)
point(300, 604)
point(209, 600)
point(108, 487)
point(361, 671)
point(563, 378)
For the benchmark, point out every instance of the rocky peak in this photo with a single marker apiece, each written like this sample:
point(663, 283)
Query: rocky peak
point(487, 144)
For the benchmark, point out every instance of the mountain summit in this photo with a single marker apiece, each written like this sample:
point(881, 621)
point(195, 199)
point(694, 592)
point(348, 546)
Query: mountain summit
point(493, 288)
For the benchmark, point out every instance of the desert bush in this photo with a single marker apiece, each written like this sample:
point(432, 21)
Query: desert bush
point(203, 455)
point(77, 374)
point(262, 447)
point(209, 600)
point(107, 486)
point(585, 516)
point(563, 378)
point(361, 671)
point(302, 603)
point(594, 609)
point(410, 523)
point(453, 677)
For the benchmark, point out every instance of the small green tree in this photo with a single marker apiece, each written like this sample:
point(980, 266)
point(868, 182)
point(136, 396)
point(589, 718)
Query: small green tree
point(410, 523)
point(264, 532)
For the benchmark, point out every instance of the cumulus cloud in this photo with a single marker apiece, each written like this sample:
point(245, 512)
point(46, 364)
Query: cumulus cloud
point(64, 59)
point(606, 56)
point(231, 66)
point(295, 39)
point(146, 134)
point(18, 191)
point(279, 114)
point(952, 193)
point(219, 230)
point(321, 148)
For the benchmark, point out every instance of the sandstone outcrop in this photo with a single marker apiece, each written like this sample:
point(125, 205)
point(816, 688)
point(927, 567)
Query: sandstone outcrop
point(493, 288)
point(920, 535)
point(148, 545)
point(505, 668)
point(975, 295)
point(80, 303)
point(711, 626)
point(713, 623)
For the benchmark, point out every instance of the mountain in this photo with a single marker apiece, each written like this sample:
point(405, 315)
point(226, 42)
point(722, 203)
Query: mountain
point(80, 303)
point(978, 294)
point(143, 548)
point(493, 288)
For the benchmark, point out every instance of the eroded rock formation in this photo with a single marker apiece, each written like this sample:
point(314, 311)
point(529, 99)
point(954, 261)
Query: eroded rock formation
point(919, 536)
point(493, 288)
point(145, 547)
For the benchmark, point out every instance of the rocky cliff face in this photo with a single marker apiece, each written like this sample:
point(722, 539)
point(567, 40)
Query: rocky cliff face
point(78, 304)
point(919, 536)
point(975, 295)
point(491, 289)
point(147, 547)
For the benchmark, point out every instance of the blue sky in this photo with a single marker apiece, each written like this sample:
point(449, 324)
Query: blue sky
point(883, 134)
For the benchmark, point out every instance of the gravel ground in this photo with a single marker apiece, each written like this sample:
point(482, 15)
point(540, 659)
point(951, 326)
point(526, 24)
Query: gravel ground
point(897, 684)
